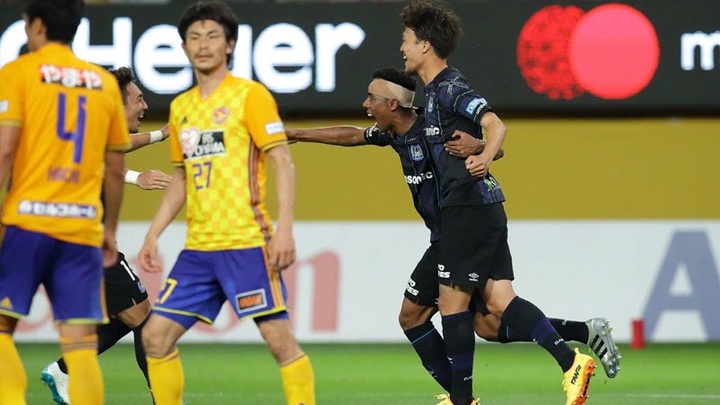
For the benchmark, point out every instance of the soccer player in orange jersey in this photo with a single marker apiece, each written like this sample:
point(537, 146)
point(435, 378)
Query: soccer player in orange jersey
point(126, 299)
point(62, 130)
point(221, 132)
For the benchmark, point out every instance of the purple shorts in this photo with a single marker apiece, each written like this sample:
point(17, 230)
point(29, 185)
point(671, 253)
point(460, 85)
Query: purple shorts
point(72, 275)
point(200, 283)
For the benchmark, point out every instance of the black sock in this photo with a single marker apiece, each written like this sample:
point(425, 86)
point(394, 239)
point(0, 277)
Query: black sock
point(529, 320)
point(568, 330)
point(140, 350)
point(108, 335)
point(430, 347)
point(460, 346)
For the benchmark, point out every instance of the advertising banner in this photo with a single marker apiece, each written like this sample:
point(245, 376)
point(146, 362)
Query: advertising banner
point(526, 57)
point(349, 279)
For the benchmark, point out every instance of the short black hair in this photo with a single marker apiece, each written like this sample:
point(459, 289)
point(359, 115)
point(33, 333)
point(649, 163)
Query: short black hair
point(61, 17)
point(396, 76)
point(433, 22)
point(124, 76)
point(216, 11)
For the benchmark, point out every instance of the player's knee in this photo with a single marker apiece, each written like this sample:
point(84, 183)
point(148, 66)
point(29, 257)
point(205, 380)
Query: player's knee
point(7, 324)
point(486, 326)
point(409, 320)
point(157, 342)
point(484, 333)
point(135, 315)
point(412, 316)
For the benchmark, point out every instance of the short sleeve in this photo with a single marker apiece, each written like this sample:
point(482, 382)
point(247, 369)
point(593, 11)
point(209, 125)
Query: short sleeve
point(176, 153)
point(11, 95)
point(262, 119)
point(373, 136)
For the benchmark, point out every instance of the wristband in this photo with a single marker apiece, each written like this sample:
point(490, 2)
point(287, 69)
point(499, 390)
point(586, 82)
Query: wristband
point(131, 177)
point(156, 136)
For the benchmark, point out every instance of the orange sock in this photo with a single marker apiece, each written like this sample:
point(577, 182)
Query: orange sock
point(166, 379)
point(299, 381)
point(13, 381)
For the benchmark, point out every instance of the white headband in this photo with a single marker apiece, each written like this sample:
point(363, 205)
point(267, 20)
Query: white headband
point(404, 96)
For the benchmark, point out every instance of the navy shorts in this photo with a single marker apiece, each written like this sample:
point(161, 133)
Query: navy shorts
point(200, 283)
point(474, 246)
point(72, 275)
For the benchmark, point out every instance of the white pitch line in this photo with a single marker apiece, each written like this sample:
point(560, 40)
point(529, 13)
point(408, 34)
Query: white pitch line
point(678, 396)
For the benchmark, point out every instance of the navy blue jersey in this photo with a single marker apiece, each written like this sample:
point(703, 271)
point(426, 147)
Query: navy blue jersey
point(452, 103)
point(418, 171)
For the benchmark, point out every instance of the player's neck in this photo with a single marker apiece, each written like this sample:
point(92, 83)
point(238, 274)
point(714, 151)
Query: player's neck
point(208, 82)
point(404, 123)
point(431, 68)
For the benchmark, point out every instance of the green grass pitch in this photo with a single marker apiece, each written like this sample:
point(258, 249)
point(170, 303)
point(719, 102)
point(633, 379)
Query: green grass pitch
point(350, 374)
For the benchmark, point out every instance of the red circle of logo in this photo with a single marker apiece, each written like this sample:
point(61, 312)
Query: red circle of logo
point(611, 52)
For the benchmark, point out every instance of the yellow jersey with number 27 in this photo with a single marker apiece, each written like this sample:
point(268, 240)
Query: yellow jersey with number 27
point(222, 142)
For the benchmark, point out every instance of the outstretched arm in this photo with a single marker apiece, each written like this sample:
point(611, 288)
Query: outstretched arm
point(148, 180)
point(137, 141)
point(342, 135)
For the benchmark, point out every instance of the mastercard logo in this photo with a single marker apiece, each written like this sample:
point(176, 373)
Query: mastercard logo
point(611, 52)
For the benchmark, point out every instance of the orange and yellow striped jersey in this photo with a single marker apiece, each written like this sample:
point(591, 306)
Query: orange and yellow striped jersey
point(70, 112)
point(222, 142)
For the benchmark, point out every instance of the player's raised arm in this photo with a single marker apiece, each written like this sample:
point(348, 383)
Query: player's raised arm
point(341, 135)
point(140, 140)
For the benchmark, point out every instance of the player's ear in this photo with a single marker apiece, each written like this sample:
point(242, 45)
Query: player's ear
point(230, 47)
point(394, 104)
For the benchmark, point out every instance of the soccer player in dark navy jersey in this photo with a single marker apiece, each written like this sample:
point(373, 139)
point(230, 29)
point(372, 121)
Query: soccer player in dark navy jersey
point(459, 187)
point(474, 256)
point(389, 100)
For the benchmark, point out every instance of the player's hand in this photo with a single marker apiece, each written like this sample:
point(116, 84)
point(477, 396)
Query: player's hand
point(165, 131)
point(478, 165)
point(281, 251)
point(291, 135)
point(153, 180)
point(149, 260)
point(109, 249)
point(462, 144)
